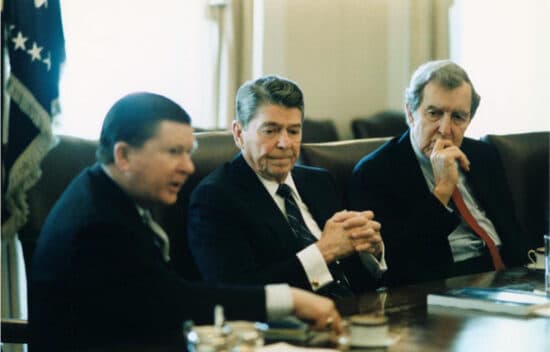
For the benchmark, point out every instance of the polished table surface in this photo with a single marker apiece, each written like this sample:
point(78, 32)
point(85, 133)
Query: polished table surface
point(416, 327)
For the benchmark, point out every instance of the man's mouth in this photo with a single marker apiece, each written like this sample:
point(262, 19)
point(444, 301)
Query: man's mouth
point(282, 157)
point(176, 186)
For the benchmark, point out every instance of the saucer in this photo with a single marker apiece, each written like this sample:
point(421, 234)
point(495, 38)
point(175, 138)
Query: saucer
point(375, 343)
point(532, 266)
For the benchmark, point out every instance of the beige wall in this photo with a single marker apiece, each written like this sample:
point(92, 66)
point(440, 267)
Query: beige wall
point(351, 57)
point(355, 57)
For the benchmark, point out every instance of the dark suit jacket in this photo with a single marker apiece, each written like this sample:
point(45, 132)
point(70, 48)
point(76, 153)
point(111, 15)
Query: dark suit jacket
point(415, 225)
point(237, 234)
point(98, 278)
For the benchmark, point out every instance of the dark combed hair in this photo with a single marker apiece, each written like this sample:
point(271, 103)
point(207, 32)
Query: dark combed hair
point(267, 90)
point(134, 119)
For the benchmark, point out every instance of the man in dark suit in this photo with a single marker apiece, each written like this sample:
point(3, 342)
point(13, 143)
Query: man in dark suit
point(101, 271)
point(414, 181)
point(243, 228)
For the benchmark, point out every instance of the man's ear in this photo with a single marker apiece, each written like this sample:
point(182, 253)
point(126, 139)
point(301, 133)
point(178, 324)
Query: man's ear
point(121, 154)
point(237, 130)
point(410, 117)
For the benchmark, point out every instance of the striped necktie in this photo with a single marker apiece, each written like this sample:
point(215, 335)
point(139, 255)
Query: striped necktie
point(341, 286)
point(163, 241)
point(294, 217)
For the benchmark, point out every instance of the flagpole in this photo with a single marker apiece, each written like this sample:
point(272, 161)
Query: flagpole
point(3, 101)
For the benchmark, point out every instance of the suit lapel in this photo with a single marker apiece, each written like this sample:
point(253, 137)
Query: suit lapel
point(409, 173)
point(312, 196)
point(259, 204)
point(476, 177)
point(126, 209)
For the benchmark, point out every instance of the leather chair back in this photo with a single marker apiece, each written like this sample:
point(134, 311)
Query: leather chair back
point(59, 167)
point(214, 149)
point(382, 124)
point(72, 155)
point(317, 131)
point(339, 158)
point(525, 160)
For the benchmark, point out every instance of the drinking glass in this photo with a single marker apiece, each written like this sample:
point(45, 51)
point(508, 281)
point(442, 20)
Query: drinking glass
point(547, 264)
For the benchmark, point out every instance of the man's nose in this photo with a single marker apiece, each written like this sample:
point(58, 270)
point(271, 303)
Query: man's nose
point(445, 125)
point(186, 165)
point(283, 140)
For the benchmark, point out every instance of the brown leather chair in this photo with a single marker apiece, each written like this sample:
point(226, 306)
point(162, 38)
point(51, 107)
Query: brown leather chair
point(214, 149)
point(73, 154)
point(339, 158)
point(15, 331)
point(383, 124)
point(68, 158)
point(59, 167)
point(525, 160)
point(317, 131)
point(204, 129)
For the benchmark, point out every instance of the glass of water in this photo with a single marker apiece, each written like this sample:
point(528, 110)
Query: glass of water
point(547, 264)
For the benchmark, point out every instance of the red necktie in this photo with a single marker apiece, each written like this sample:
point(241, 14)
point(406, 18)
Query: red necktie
point(471, 221)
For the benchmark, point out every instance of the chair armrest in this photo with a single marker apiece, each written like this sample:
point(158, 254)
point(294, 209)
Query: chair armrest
point(15, 330)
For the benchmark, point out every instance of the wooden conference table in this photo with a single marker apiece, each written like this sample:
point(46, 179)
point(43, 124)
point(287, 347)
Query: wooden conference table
point(416, 327)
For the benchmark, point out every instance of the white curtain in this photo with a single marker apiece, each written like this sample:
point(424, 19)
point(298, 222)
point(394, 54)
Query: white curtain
point(231, 54)
point(505, 47)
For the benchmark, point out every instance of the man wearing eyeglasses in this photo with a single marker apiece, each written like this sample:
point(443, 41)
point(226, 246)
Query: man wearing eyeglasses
point(443, 198)
point(101, 274)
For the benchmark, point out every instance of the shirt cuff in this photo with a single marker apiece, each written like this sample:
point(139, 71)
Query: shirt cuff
point(278, 301)
point(374, 266)
point(316, 268)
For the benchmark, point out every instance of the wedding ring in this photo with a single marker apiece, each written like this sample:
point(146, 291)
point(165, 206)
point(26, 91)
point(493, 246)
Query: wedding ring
point(328, 323)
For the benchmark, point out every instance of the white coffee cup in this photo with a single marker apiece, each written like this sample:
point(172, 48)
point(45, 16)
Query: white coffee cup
point(368, 330)
point(536, 257)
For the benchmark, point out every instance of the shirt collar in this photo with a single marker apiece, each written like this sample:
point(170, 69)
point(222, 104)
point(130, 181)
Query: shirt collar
point(142, 211)
point(272, 186)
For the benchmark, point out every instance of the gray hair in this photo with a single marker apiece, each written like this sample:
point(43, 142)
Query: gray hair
point(446, 74)
point(267, 90)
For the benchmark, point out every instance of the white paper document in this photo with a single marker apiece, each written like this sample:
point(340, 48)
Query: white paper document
point(285, 347)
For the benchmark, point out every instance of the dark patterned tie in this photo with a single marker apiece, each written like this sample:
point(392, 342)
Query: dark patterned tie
point(162, 240)
point(338, 288)
point(294, 217)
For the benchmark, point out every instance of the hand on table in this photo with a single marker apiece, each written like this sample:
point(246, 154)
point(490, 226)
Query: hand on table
point(319, 311)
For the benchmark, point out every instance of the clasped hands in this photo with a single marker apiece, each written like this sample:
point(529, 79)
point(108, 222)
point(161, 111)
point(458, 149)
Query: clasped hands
point(347, 232)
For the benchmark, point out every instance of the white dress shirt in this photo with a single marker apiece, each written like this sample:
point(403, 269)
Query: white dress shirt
point(465, 244)
point(278, 301)
point(312, 260)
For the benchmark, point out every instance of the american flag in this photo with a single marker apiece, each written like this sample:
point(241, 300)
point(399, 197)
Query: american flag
point(36, 47)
